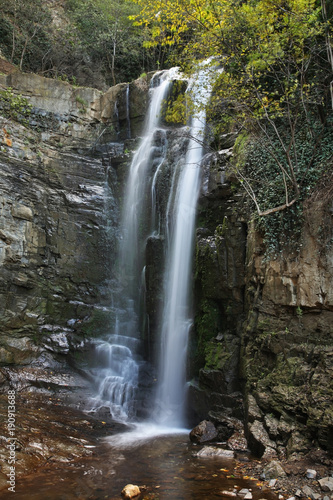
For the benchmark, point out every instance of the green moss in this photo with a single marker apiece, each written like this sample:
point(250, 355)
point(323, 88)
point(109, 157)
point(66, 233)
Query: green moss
point(217, 355)
point(207, 325)
point(177, 107)
point(240, 149)
point(98, 323)
point(263, 324)
point(14, 106)
point(222, 229)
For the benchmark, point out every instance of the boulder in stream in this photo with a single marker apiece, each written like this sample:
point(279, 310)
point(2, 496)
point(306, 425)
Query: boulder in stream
point(203, 432)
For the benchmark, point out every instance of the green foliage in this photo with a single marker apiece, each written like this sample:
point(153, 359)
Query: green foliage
point(92, 42)
point(80, 100)
point(24, 26)
point(274, 90)
point(176, 111)
point(106, 35)
point(83, 104)
point(177, 106)
point(257, 163)
point(299, 312)
point(14, 106)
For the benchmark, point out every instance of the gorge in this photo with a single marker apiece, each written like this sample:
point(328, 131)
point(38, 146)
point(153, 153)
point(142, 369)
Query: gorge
point(259, 360)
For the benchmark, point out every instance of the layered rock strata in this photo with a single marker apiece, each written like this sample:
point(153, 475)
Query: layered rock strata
point(264, 326)
point(59, 191)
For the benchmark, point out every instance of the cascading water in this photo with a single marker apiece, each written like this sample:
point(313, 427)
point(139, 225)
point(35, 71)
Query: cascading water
point(176, 319)
point(116, 375)
point(134, 224)
point(128, 120)
point(159, 204)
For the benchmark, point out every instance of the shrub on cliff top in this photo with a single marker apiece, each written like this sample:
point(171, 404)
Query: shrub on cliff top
point(14, 106)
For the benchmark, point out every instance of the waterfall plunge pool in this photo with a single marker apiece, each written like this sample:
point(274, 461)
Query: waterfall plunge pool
point(160, 461)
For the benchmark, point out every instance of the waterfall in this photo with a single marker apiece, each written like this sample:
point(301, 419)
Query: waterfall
point(176, 319)
point(134, 224)
point(159, 209)
point(117, 357)
point(128, 120)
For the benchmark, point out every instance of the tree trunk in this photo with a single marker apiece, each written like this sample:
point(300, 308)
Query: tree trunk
point(113, 57)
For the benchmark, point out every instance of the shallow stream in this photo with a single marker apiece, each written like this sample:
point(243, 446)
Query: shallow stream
point(163, 466)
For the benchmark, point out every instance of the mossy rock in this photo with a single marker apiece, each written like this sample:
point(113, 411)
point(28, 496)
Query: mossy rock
point(99, 323)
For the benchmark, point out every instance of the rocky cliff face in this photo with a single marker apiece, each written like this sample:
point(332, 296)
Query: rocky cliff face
point(59, 216)
point(261, 347)
point(287, 339)
point(264, 327)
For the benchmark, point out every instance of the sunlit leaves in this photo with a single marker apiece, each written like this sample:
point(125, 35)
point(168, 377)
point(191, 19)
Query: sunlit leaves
point(275, 79)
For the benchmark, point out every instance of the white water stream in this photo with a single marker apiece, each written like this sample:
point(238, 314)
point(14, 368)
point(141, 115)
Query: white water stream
point(117, 360)
point(134, 199)
point(177, 319)
point(117, 375)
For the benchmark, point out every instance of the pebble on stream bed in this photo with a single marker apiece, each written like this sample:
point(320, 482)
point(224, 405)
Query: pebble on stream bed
point(130, 491)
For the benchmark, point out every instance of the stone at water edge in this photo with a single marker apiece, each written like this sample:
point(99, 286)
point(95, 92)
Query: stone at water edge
point(237, 441)
point(269, 453)
point(311, 474)
point(326, 483)
point(308, 492)
point(274, 470)
point(259, 440)
point(130, 491)
point(243, 492)
point(211, 451)
point(203, 432)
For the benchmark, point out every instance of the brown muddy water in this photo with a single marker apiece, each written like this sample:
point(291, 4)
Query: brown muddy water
point(161, 462)
point(163, 467)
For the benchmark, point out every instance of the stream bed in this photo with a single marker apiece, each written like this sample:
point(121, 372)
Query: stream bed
point(64, 454)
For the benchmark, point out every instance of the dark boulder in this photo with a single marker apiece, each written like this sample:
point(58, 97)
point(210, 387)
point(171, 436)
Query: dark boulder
point(203, 432)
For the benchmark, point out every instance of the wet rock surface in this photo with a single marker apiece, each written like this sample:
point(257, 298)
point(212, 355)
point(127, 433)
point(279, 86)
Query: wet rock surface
point(52, 223)
point(263, 326)
point(263, 329)
point(289, 478)
point(205, 431)
point(63, 451)
point(48, 431)
point(59, 218)
point(211, 451)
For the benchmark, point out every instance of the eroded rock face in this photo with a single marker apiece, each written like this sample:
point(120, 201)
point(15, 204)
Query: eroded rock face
point(219, 297)
point(52, 224)
point(287, 345)
point(59, 214)
point(81, 116)
point(264, 326)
